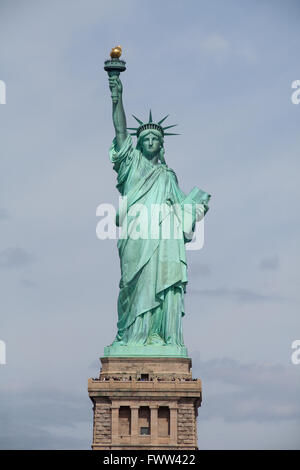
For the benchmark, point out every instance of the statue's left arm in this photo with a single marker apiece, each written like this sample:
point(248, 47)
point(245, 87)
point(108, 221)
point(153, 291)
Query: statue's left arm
point(190, 208)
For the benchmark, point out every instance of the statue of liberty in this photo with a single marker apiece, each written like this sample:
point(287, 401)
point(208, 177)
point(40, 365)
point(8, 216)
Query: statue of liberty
point(153, 268)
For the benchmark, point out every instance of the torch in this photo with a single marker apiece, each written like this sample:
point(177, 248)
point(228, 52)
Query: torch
point(114, 66)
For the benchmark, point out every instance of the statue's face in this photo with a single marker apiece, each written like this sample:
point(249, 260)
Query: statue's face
point(151, 145)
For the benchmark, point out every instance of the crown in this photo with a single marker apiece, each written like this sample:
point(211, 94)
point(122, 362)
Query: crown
point(151, 125)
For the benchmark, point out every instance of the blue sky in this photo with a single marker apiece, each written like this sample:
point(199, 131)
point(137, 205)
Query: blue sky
point(223, 71)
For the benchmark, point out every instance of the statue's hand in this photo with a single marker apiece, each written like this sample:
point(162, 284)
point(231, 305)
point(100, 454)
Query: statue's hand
point(116, 88)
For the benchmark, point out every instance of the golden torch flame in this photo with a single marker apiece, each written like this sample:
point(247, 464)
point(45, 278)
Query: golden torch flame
point(116, 52)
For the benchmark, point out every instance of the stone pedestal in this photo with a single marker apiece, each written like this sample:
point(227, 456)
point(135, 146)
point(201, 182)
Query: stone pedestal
point(145, 403)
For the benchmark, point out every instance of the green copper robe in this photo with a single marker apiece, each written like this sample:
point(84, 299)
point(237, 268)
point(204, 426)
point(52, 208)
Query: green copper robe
point(153, 270)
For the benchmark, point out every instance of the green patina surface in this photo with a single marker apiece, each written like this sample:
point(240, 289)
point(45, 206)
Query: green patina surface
point(153, 269)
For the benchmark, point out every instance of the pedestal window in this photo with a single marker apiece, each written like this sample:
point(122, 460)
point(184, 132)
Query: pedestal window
point(163, 421)
point(124, 421)
point(144, 420)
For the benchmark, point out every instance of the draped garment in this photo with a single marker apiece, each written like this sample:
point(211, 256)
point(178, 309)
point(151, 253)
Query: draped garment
point(153, 268)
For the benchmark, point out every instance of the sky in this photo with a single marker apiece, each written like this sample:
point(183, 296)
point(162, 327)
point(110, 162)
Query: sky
point(223, 72)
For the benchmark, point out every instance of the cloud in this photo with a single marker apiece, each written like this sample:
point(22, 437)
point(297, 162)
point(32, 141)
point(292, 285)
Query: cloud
point(42, 418)
point(15, 257)
point(238, 294)
point(270, 263)
point(240, 392)
point(31, 438)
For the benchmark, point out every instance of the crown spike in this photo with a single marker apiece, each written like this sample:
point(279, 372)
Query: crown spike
point(162, 120)
point(147, 126)
point(138, 120)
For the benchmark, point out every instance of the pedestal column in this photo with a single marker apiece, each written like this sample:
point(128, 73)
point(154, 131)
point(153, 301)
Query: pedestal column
point(154, 424)
point(114, 423)
point(173, 424)
point(134, 422)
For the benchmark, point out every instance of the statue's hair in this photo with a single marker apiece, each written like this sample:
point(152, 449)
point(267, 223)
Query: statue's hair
point(141, 137)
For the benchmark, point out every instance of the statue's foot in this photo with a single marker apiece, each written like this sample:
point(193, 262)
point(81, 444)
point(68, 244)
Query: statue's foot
point(155, 339)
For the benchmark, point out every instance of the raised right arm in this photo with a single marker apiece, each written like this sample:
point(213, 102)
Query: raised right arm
point(118, 113)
